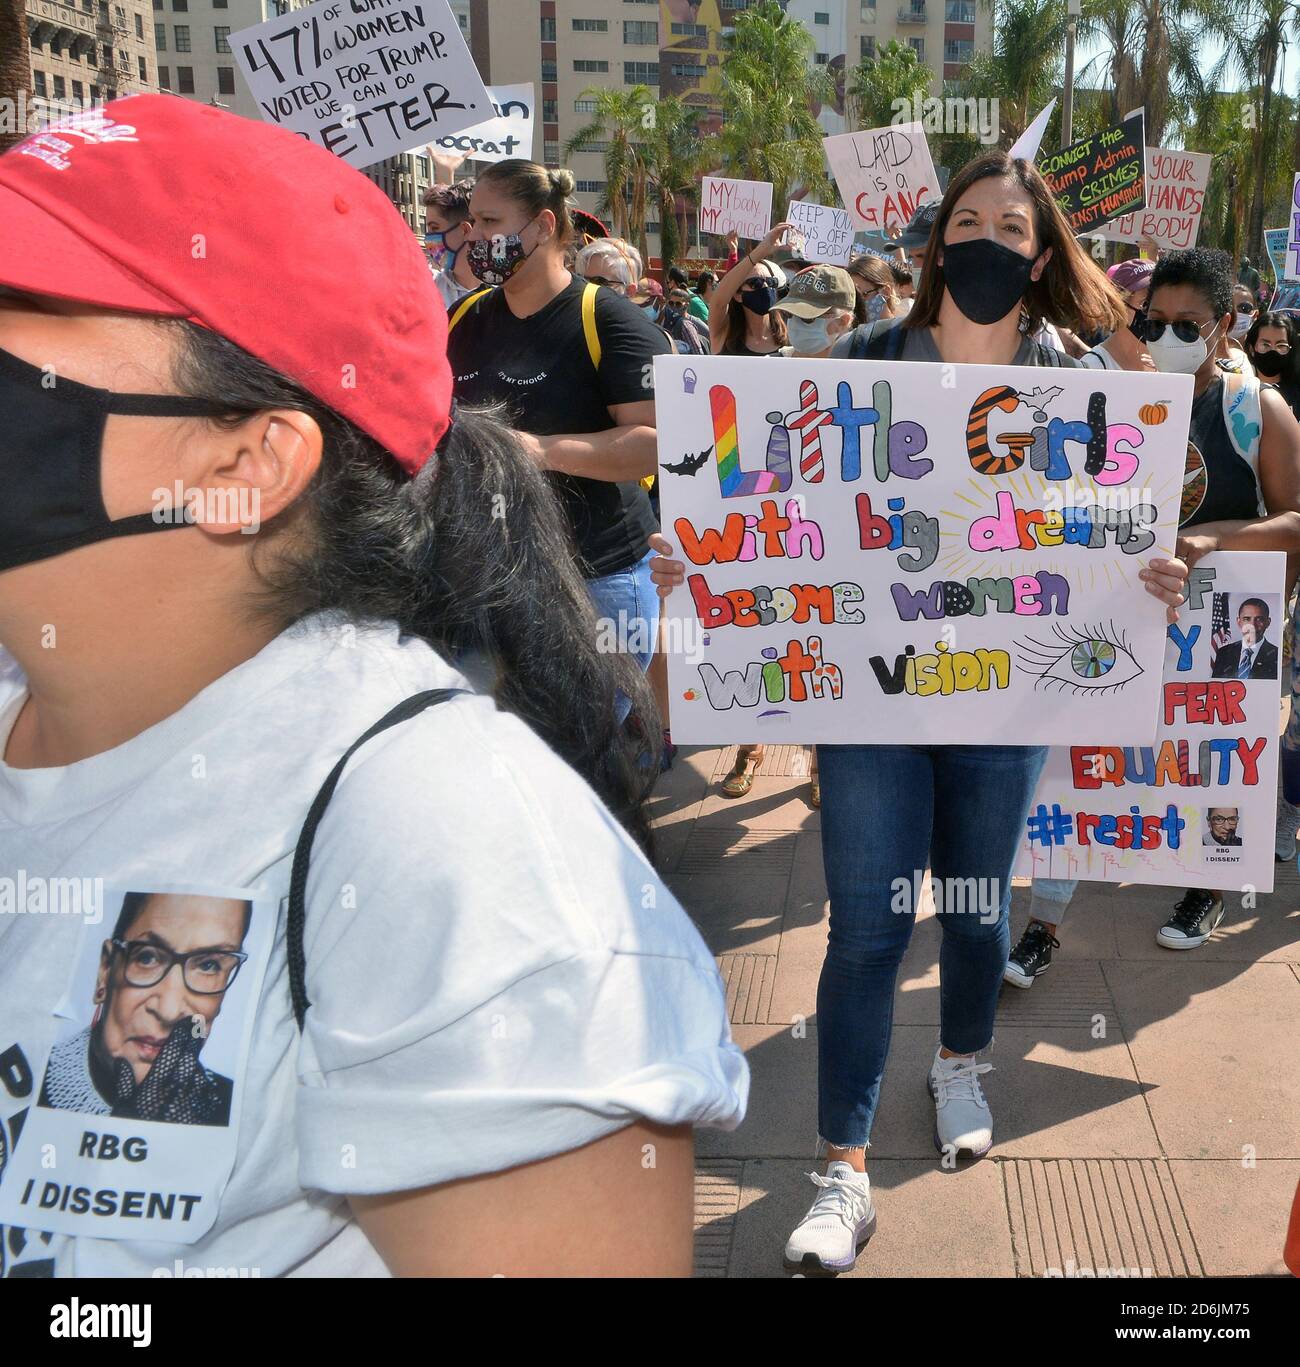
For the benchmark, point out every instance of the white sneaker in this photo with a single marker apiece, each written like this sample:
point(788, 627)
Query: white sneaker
point(963, 1122)
point(838, 1225)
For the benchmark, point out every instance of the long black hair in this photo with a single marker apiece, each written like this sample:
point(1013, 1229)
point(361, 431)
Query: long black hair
point(1288, 381)
point(473, 555)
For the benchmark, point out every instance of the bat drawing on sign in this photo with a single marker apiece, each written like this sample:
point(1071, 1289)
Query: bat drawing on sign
point(690, 465)
point(1040, 398)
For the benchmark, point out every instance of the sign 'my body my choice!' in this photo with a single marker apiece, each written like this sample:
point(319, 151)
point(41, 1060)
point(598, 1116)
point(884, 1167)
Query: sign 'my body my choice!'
point(920, 553)
point(366, 79)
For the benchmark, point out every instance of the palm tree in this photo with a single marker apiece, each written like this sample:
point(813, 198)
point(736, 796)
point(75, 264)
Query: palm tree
point(1150, 53)
point(621, 119)
point(1255, 50)
point(769, 89)
point(1025, 67)
point(877, 83)
point(675, 158)
point(15, 69)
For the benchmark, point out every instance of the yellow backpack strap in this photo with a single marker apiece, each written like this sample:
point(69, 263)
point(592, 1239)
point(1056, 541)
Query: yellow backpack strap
point(589, 323)
point(461, 309)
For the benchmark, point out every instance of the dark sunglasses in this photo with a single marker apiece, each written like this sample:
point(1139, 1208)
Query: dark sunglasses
point(1185, 330)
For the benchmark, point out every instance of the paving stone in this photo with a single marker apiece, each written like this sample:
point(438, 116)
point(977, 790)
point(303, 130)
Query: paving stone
point(771, 804)
point(1215, 1047)
point(779, 761)
point(748, 979)
point(717, 1200)
point(737, 913)
point(1238, 1215)
point(1104, 1217)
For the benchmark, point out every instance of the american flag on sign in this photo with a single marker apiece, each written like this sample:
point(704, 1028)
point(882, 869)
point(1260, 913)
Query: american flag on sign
point(1220, 626)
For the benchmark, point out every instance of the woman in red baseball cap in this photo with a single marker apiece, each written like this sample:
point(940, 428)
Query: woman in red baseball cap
point(342, 969)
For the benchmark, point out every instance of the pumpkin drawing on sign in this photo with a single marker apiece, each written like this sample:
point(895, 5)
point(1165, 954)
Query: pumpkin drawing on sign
point(1153, 414)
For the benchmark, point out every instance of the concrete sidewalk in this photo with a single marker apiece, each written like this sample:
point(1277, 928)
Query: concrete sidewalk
point(1146, 1103)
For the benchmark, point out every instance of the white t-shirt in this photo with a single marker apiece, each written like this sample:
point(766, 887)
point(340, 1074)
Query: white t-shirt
point(496, 974)
point(450, 289)
point(1099, 358)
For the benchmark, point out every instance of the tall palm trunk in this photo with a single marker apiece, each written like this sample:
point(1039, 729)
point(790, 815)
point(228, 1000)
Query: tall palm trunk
point(15, 70)
point(1261, 140)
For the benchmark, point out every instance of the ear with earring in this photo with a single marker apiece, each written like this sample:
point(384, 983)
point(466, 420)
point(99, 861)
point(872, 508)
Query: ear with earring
point(99, 1007)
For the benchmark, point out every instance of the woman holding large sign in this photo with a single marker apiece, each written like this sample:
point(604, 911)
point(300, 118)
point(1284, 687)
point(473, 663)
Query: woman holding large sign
point(1002, 260)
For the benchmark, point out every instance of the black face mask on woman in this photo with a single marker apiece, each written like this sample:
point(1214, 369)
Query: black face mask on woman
point(986, 279)
point(759, 299)
point(1270, 364)
point(51, 458)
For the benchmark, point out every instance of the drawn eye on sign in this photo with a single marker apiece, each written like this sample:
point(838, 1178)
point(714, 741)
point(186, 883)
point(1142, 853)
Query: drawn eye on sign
point(1081, 660)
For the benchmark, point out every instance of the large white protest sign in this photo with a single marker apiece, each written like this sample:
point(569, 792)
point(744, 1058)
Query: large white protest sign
point(508, 135)
point(884, 174)
point(1293, 239)
point(827, 233)
point(366, 79)
point(740, 206)
point(1176, 183)
point(1196, 807)
point(916, 553)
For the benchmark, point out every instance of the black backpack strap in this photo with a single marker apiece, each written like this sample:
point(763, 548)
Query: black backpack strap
point(872, 342)
point(297, 918)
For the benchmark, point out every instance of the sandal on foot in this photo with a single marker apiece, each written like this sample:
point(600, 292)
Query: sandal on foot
point(741, 778)
point(816, 783)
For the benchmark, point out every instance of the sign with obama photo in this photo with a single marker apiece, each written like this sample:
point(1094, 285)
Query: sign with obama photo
point(133, 1131)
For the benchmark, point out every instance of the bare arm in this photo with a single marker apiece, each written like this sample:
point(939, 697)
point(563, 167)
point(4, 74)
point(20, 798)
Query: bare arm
point(619, 1207)
point(734, 278)
point(623, 453)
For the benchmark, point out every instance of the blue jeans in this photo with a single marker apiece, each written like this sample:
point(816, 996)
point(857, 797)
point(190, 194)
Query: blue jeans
point(628, 607)
point(887, 811)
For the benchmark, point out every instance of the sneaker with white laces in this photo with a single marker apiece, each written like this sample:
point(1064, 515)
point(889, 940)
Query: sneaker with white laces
point(837, 1226)
point(1194, 920)
point(963, 1122)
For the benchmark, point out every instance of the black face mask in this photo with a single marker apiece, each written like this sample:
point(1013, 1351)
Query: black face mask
point(51, 451)
point(986, 279)
point(1138, 327)
point(759, 299)
point(1270, 364)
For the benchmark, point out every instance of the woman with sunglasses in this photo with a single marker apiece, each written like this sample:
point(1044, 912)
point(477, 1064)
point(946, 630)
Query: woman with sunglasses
point(877, 290)
point(1002, 259)
point(1272, 347)
point(1230, 501)
point(741, 321)
point(1123, 349)
point(322, 650)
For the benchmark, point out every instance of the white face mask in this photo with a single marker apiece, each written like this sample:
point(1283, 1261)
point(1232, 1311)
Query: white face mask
point(809, 336)
point(1173, 357)
point(1242, 324)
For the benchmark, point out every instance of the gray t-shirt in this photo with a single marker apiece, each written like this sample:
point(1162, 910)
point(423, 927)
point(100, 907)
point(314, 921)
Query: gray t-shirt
point(918, 345)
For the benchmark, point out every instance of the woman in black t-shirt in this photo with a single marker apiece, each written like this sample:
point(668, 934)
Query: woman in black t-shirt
point(577, 386)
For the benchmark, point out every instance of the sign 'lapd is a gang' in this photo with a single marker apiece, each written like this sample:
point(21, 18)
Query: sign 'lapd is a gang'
point(366, 79)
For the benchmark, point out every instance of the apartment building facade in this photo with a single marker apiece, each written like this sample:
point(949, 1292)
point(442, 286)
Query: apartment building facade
point(89, 50)
point(677, 47)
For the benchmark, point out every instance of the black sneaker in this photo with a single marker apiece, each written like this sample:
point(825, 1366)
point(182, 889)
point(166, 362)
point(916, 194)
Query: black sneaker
point(1193, 922)
point(1032, 956)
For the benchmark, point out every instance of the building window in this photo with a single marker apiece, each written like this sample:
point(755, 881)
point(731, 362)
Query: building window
point(160, 37)
point(422, 167)
point(38, 83)
point(958, 49)
point(164, 78)
point(182, 37)
point(123, 59)
point(78, 91)
point(548, 30)
point(181, 6)
point(868, 9)
point(220, 4)
point(690, 71)
point(157, 4)
point(822, 58)
point(584, 106)
point(591, 26)
point(959, 11)
point(225, 80)
point(582, 64)
point(550, 111)
point(641, 32)
point(60, 88)
point(640, 73)
point(139, 27)
point(185, 80)
point(689, 30)
point(867, 47)
point(221, 36)
point(551, 152)
point(141, 69)
point(590, 187)
point(35, 42)
point(918, 46)
point(821, 16)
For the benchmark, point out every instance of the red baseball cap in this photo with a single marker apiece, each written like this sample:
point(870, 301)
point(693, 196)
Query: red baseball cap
point(160, 205)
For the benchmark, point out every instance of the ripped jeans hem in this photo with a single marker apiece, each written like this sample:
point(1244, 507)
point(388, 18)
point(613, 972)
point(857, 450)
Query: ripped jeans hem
point(824, 1144)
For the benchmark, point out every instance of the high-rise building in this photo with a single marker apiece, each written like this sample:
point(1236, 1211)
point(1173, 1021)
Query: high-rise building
point(192, 43)
point(676, 47)
point(83, 51)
